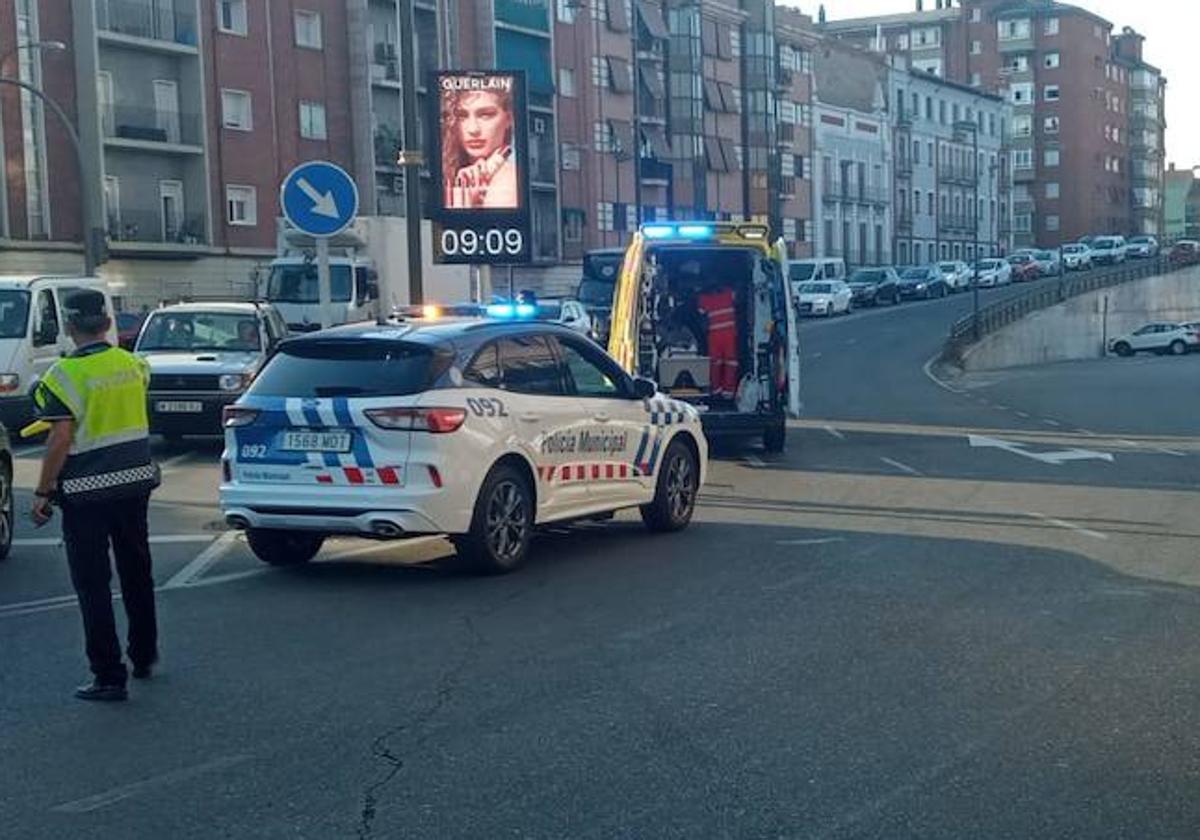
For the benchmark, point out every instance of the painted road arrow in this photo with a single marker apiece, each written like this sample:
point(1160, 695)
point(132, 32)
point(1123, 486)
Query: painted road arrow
point(323, 203)
point(1057, 458)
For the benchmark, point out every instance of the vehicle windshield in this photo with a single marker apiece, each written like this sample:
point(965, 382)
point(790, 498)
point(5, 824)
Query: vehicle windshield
point(801, 272)
point(298, 283)
point(865, 276)
point(1074, 249)
point(350, 368)
point(1140, 240)
point(1043, 255)
point(815, 289)
point(14, 313)
point(915, 274)
point(1103, 244)
point(593, 292)
point(987, 265)
point(200, 331)
point(948, 267)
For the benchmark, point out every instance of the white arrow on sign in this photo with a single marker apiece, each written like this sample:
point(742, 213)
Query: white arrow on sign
point(1058, 458)
point(323, 203)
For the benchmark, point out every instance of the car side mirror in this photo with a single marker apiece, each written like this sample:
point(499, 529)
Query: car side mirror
point(644, 388)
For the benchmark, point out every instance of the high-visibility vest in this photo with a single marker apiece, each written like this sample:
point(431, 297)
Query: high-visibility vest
point(105, 392)
point(719, 307)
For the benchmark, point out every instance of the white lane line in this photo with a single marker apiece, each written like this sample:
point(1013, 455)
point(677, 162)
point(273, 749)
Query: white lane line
point(202, 561)
point(162, 539)
point(1166, 451)
point(41, 605)
point(372, 548)
point(115, 795)
point(755, 461)
point(227, 578)
point(905, 468)
point(1054, 423)
point(1070, 526)
point(932, 377)
point(1023, 415)
point(814, 541)
point(835, 433)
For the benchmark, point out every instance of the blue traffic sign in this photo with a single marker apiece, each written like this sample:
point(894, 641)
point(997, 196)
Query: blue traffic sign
point(319, 198)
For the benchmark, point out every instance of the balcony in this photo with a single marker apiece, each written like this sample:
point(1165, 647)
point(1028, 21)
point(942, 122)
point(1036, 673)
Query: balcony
point(151, 129)
point(1020, 44)
point(149, 227)
point(147, 20)
point(784, 79)
point(652, 109)
point(957, 175)
point(955, 223)
point(1024, 175)
point(385, 66)
point(904, 221)
point(786, 133)
point(904, 166)
point(655, 172)
point(527, 14)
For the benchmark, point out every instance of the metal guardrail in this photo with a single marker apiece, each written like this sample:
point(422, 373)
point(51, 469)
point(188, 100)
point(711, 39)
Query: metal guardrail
point(995, 316)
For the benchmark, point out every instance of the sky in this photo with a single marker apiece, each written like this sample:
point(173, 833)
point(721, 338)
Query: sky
point(1170, 27)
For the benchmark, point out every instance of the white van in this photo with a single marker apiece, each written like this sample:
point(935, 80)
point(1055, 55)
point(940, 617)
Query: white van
point(291, 286)
point(820, 268)
point(33, 336)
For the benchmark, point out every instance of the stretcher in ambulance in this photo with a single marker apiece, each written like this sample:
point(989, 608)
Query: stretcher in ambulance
point(702, 308)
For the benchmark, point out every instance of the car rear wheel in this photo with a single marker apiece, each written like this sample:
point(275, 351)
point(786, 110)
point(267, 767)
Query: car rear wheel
point(6, 510)
point(1122, 348)
point(1177, 348)
point(284, 548)
point(501, 526)
point(675, 494)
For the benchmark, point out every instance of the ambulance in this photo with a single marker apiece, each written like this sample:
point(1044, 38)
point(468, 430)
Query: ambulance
point(671, 322)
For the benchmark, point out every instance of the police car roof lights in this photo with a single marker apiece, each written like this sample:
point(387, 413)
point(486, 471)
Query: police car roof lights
point(511, 310)
point(695, 231)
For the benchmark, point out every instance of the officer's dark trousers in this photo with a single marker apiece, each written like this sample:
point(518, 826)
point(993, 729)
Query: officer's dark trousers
point(88, 530)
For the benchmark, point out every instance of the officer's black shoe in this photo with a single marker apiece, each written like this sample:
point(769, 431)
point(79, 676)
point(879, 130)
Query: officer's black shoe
point(144, 672)
point(101, 692)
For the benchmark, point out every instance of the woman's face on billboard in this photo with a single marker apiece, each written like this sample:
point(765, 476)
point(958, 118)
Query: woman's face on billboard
point(483, 124)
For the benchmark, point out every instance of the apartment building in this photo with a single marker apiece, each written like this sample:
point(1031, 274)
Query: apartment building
point(1147, 129)
point(852, 138)
point(1069, 81)
point(1182, 203)
point(953, 184)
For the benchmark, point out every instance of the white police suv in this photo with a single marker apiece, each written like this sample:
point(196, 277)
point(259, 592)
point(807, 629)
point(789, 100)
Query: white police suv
point(479, 429)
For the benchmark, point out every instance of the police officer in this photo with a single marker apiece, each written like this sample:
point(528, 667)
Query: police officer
point(98, 469)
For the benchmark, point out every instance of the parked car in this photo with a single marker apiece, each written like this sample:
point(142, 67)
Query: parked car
point(1024, 267)
point(1049, 263)
point(1142, 247)
point(1108, 250)
point(993, 272)
point(872, 286)
point(1185, 252)
point(820, 268)
point(1076, 256)
point(1176, 339)
point(825, 297)
point(569, 313)
point(129, 324)
point(923, 282)
point(957, 275)
point(202, 357)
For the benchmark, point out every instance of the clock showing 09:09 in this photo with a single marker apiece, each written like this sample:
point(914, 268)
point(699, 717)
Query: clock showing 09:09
point(475, 244)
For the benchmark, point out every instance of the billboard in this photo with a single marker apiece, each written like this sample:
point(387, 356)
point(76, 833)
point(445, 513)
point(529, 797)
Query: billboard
point(480, 167)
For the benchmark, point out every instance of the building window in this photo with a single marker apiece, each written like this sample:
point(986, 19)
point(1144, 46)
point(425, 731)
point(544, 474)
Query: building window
point(602, 136)
point(1050, 157)
point(929, 108)
point(241, 205)
point(1022, 125)
point(312, 121)
point(1052, 61)
point(1052, 222)
point(572, 225)
point(976, 15)
point(567, 10)
point(976, 48)
point(1052, 189)
point(1022, 158)
point(1051, 27)
point(929, 203)
point(236, 112)
point(566, 82)
point(976, 80)
point(1050, 125)
point(231, 16)
point(1022, 93)
point(1022, 222)
point(1014, 30)
point(308, 29)
point(1050, 94)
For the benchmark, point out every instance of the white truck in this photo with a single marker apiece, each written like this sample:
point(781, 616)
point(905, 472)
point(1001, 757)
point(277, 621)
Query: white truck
point(368, 273)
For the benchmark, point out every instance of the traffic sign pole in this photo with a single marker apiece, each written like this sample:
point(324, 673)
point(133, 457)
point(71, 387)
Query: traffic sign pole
point(323, 289)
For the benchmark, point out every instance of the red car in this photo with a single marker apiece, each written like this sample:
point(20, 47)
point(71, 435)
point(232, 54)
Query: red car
point(1185, 252)
point(1024, 268)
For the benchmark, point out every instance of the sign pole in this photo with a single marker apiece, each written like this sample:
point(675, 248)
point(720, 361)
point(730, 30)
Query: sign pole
point(410, 161)
point(323, 290)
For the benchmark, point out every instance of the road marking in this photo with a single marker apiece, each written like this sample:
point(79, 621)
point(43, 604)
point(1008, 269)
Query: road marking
point(41, 605)
point(372, 548)
point(814, 541)
point(1023, 415)
point(202, 561)
point(902, 467)
point(1070, 526)
point(227, 578)
point(835, 433)
point(174, 460)
point(115, 795)
point(1169, 452)
point(932, 377)
point(162, 539)
point(755, 461)
point(1054, 423)
point(1057, 458)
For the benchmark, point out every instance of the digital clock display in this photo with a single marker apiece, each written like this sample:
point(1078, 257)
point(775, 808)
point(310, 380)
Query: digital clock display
point(480, 130)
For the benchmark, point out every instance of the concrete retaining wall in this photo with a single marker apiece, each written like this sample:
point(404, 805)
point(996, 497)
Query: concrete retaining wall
point(1077, 328)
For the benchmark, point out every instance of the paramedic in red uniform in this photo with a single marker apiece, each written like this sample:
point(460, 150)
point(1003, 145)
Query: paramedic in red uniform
point(718, 304)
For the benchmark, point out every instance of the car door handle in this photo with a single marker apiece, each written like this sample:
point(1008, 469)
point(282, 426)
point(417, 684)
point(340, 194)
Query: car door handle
point(529, 417)
point(601, 417)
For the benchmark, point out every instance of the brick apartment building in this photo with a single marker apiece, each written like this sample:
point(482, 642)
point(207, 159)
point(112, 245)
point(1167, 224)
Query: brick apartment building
point(1075, 89)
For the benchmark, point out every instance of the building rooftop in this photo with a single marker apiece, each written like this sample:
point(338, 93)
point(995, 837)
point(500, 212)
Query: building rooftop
point(927, 16)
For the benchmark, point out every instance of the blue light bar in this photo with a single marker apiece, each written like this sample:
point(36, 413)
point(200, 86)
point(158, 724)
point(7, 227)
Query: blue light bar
point(658, 231)
point(526, 310)
point(501, 310)
point(695, 231)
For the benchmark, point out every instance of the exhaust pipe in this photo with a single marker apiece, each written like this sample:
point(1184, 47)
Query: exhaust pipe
point(385, 529)
point(238, 522)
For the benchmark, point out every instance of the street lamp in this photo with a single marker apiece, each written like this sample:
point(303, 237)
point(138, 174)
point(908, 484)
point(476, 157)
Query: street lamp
point(89, 232)
point(961, 128)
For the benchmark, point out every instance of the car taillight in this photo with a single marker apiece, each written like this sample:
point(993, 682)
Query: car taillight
point(233, 416)
point(435, 420)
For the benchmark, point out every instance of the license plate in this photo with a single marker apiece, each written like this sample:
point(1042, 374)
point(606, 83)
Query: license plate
point(316, 441)
point(179, 407)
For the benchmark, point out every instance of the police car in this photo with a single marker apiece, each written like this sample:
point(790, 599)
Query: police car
point(479, 429)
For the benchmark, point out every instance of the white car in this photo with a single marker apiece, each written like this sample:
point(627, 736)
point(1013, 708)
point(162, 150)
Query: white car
point(993, 272)
point(477, 429)
point(1076, 257)
point(957, 275)
point(1176, 339)
point(1141, 247)
point(823, 297)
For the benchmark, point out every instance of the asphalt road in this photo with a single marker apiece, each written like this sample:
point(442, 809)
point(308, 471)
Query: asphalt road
point(885, 632)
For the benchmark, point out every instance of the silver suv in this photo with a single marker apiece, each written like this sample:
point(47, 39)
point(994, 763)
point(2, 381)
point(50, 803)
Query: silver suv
point(202, 357)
